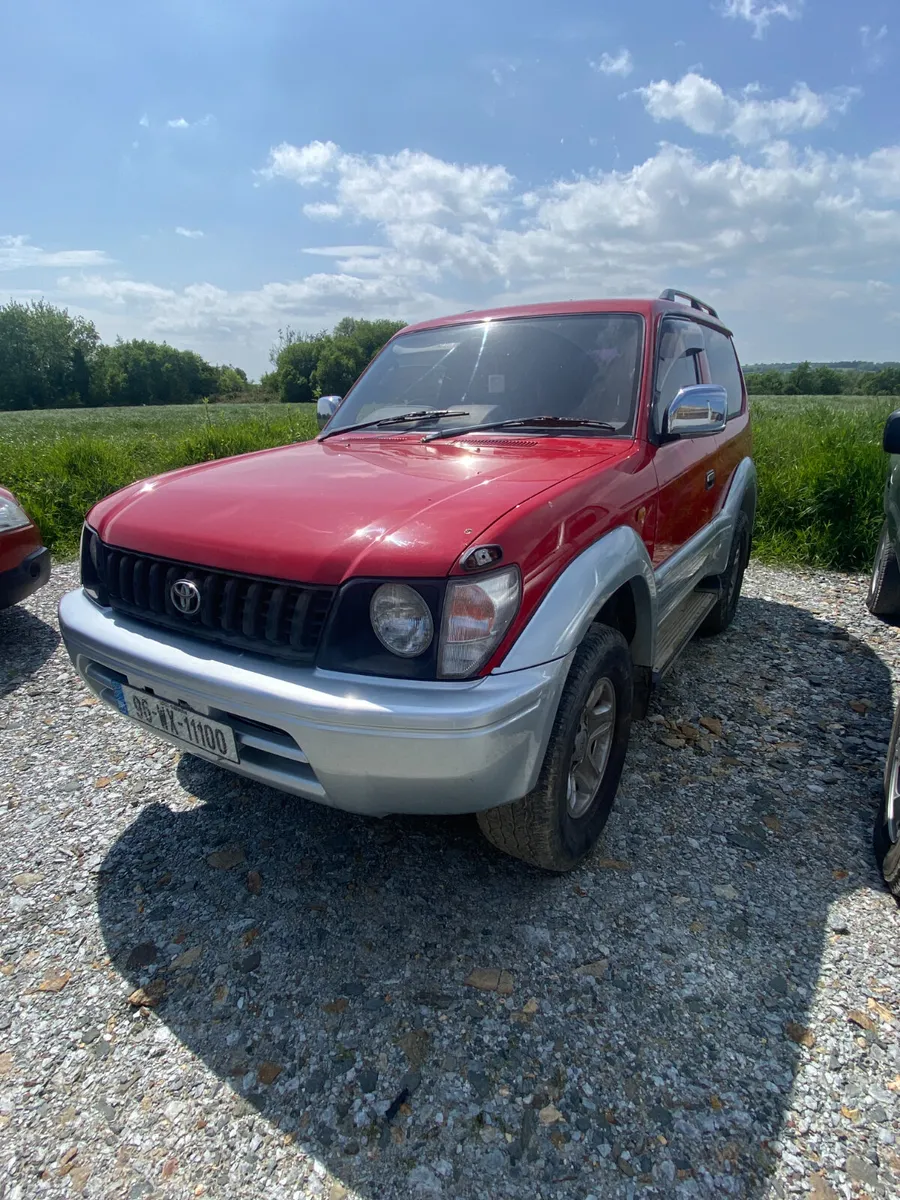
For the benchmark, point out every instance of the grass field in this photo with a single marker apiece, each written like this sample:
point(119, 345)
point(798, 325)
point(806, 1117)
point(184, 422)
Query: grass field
point(821, 468)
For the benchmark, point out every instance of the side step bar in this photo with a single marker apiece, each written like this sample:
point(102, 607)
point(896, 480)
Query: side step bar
point(680, 626)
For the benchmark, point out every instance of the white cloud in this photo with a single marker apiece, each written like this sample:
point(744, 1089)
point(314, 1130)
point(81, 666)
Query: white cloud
point(621, 64)
point(363, 251)
point(182, 123)
point(144, 122)
point(705, 108)
point(407, 186)
point(760, 12)
point(188, 233)
point(874, 43)
point(17, 253)
point(304, 164)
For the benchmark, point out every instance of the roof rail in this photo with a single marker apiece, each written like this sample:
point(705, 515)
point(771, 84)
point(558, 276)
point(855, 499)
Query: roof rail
point(674, 293)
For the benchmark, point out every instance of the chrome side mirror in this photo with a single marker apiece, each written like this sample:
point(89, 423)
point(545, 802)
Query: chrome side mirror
point(697, 411)
point(326, 407)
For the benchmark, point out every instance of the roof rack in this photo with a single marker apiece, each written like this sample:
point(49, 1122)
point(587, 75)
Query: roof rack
point(674, 293)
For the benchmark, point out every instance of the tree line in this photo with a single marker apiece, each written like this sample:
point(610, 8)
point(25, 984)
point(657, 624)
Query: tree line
point(50, 359)
point(824, 380)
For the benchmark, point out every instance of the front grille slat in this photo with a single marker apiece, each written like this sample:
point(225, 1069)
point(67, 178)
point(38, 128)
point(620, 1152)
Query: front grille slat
point(301, 608)
point(251, 609)
point(263, 616)
point(273, 616)
point(209, 594)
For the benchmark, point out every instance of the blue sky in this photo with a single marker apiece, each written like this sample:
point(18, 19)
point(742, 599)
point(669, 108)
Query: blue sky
point(207, 171)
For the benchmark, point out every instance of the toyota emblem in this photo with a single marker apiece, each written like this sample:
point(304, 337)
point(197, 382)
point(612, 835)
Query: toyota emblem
point(185, 596)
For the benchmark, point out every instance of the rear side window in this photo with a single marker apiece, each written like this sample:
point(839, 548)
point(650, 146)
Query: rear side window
point(723, 367)
point(677, 362)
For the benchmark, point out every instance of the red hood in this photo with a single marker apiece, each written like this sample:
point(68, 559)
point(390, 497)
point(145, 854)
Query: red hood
point(321, 512)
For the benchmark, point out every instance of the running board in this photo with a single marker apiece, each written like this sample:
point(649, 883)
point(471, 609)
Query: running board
point(680, 626)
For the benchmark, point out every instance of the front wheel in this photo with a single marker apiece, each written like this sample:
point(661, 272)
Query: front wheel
point(558, 823)
point(887, 823)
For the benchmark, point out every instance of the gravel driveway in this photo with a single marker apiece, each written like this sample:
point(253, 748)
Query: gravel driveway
point(209, 989)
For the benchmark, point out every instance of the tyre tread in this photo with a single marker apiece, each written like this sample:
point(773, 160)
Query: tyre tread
point(524, 829)
point(883, 596)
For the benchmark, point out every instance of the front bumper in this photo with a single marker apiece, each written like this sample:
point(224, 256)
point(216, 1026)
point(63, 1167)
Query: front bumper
point(363, 744)
point(20, 582)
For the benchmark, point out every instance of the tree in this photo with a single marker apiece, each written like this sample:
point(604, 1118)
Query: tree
point(45, 356)
point(764, 383)
point(296, 368)
point(827, 381)
point(308, 365)
point(341, 360)
point(885, 382)
point(370, 336)
point(800, 381)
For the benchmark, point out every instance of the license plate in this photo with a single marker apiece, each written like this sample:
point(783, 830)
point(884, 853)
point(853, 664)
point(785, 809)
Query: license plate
point(183, 725)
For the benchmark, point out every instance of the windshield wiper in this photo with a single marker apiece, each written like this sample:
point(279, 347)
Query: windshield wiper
point(420, 415)
point(518, 422)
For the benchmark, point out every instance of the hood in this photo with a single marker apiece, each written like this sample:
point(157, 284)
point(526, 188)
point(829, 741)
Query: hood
point(321, 512)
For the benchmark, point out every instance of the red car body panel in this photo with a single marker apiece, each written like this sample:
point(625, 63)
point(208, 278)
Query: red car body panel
point(393, 506)
point(364, 504)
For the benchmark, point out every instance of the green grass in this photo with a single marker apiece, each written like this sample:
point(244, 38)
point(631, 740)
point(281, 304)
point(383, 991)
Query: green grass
point(821, 478)
point(821, 468)
point(59, 463)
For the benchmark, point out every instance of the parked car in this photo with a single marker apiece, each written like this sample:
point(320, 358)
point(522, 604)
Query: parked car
point(883, 599)
point(24, 560)
point(457, 596)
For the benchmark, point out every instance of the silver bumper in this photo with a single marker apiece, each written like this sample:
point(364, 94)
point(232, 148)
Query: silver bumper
point(359, 743)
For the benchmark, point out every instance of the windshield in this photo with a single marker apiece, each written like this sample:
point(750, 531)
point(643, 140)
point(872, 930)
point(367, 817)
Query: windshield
point(581, 367)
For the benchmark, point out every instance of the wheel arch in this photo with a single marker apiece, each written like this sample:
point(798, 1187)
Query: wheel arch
point(612, 578)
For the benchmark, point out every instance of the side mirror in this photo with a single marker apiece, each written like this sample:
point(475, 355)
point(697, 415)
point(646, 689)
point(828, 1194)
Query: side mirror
point(326, 407)
point(891, 439)
point(697, 411)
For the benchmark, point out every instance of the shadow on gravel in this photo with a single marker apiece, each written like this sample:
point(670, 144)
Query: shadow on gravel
point(26, 642)
point(318, 970)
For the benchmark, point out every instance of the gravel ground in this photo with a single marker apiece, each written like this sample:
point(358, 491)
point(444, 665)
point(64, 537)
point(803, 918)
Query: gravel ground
point(209, 989)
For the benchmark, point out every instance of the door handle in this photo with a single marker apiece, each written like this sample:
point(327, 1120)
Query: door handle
point(710, 478)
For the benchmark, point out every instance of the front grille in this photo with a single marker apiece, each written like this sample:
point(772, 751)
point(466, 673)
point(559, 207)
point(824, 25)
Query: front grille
point(266, 616)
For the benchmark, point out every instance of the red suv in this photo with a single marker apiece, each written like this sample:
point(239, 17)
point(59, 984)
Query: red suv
point(24, 560)
point(455, 599)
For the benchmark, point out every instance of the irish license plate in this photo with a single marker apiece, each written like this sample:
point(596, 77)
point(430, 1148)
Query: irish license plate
point(180, 724)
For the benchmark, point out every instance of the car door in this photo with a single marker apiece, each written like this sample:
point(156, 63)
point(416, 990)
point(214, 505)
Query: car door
point(685, 468)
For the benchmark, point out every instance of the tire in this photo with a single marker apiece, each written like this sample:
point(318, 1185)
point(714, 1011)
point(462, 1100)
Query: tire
point(558, 824)
point(731, 580)
point(886, 837)
point(883, 596)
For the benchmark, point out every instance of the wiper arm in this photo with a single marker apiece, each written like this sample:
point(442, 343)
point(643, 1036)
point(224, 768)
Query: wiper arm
point(518, 422)
point(419, 415)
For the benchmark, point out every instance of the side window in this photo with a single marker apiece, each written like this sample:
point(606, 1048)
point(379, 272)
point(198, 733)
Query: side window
point(677, 362)
point(723, 367)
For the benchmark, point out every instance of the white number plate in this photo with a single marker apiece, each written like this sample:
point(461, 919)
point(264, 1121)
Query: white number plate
point(181, 724)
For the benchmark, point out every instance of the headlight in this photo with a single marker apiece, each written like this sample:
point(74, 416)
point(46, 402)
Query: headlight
point(476, 616)
point(11, 516)
point(401, 620)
